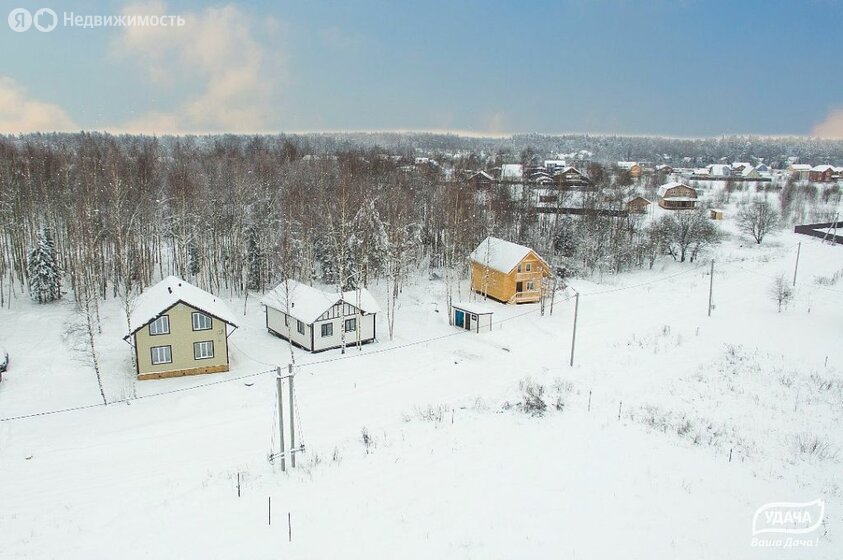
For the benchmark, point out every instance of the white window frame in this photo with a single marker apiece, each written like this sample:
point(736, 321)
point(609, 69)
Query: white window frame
point(529, 267)
point(327, 329)
point(531, 286)
point(196, 319)
point(199, 350)
point(154, 326)
point(353, 321)
point(157, 359)
point(300, 326)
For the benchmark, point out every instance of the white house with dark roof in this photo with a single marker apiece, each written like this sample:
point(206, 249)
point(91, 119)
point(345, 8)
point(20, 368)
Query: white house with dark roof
point(316, 320)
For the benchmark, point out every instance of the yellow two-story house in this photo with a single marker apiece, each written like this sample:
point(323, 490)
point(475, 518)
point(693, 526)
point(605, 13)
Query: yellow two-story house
point(508, 272)
point(179, 329)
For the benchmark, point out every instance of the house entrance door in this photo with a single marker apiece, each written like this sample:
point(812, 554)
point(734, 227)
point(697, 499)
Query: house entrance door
point(459, 318)
point(519, 286)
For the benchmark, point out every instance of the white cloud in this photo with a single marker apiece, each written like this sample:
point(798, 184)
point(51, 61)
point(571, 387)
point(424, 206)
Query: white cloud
point(831, 127)
point(21, 113)
point(217, 50)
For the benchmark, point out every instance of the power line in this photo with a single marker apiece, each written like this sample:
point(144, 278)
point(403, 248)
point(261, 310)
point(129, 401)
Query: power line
point(124, 401)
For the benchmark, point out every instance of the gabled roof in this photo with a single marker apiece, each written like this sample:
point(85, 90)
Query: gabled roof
point(800, 167)
point(667, 186)
point(500, 255)
point(307, 303)
point(481, 175)
point(638, 198)
point(822, 168)
point(154, 301)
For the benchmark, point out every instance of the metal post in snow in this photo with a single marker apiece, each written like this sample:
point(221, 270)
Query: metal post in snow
point(279, 384)
point(796, 266)
point(574, 335)
point(710, 287)
point(292, 419)
point(289, 527)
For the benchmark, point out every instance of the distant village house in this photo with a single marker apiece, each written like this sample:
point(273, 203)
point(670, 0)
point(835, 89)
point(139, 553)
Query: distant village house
point(677, 196)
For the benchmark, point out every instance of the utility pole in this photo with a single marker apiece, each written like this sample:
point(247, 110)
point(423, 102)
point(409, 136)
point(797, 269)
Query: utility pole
point(574, 335)
point(796, 266)
point(710, 287)
point(292, 418)
point(279, 384)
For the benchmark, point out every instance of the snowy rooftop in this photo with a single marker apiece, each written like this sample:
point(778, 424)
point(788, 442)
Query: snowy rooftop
point(512, 171)
point(159, 298)
point(471, 307)
point(822, 168)
point(307, 304)
point(667, 186)
point(498, 254)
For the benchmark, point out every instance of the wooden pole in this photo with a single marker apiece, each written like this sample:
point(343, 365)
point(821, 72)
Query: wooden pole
point(796, 266)
point(710, 287)
point(289, 527)
point(292, 419)
point(589, 400)
point(238, 485)
point(279, 384)
point(574, 335)
point(269, 510)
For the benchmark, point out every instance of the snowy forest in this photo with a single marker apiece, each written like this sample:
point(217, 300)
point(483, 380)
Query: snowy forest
point(107, 214)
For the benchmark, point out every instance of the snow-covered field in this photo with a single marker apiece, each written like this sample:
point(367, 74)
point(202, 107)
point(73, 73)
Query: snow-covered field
point(674, 428)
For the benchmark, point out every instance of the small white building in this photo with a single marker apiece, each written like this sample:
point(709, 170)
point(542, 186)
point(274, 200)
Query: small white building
point(471, 317)
point(315, 320)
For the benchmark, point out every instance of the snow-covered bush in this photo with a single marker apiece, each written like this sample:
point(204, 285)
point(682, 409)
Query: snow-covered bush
point(807, 445)
point(367, 439)
point(561, 388)
point(532, 397)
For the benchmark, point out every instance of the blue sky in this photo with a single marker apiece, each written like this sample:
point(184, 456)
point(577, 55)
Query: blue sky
point(679, 68)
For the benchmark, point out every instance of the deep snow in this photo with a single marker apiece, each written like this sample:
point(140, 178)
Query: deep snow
point(156, 477)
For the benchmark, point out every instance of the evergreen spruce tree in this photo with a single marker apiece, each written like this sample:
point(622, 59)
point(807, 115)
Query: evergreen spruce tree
point(254, 259)
point(43, 271)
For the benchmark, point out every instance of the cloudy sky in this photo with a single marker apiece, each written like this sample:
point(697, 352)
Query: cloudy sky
point(672, 67)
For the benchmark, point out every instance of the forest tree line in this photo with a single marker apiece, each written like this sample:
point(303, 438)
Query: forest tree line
point(235, 214)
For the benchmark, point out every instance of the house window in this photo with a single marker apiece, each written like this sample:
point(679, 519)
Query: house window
point(201, 322)
point(300, 327)
point(286, 320)
point(328, 329)
point(529, 267)
point(203, 350)
point(530, 286)
point(161, 355)
point(350, 325)
point(519, 268)
point(161, 325)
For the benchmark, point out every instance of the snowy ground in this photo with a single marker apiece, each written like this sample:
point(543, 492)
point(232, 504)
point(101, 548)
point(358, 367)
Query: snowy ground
point(453, 471)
